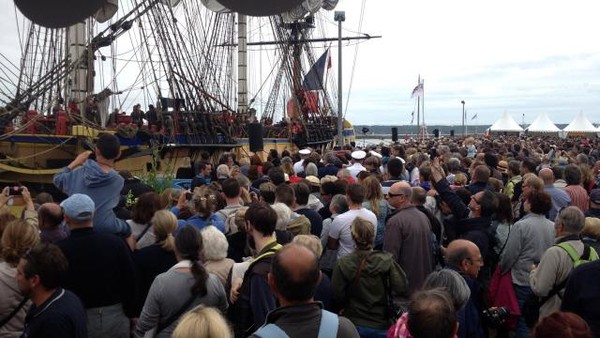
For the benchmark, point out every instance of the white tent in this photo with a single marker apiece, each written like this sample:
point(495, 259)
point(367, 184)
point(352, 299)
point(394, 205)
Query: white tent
point(580, 126)
point(505, 124)
point(542, 125)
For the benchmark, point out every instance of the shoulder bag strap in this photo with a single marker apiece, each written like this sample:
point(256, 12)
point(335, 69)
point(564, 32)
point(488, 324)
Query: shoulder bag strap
point(506, 241)
point(176, 315)
point(143, 232)
point(329, 325)
point(14, 312)
point(271, 331)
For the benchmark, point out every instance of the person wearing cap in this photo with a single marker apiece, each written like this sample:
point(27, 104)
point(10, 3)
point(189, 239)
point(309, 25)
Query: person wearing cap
point(298, 166)
point(594, 210)
point(357, 159)
point(101, 271)
point(99, 180)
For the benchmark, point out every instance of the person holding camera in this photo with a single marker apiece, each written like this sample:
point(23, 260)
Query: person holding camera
point(465, 258)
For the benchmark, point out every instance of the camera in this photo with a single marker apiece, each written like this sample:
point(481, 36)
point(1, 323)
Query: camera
point(15, 190)
point(432, 153)
point(495, 317)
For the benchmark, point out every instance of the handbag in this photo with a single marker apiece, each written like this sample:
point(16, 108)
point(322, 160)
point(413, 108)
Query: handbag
point(393, 310)
point(501, 293)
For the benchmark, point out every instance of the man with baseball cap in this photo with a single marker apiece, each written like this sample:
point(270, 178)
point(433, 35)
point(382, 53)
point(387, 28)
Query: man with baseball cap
point(298, 166)
point(357, 159)
point(101, 271)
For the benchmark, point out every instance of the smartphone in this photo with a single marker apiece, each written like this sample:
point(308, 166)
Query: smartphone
point(15, 190)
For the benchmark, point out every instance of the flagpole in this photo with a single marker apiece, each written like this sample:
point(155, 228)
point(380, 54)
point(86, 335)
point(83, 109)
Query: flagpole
point(423, 106)
point(418, 108)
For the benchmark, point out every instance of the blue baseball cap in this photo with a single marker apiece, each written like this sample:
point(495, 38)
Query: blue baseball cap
point(79, 207)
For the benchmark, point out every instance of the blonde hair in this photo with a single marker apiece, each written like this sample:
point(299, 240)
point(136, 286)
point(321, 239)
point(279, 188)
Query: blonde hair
point(363, 233)
point(373, 193)
point(591, 227)
point(204, 200)
point(202, 322)
point(18, 237)
point(310, 241)
point(164, 224)
point(240, 218)
point(460, 179)
point(169, 197)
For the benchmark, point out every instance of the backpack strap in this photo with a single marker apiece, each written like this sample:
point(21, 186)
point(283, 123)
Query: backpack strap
point(573, 254)
point(270, 331)
point(329, 324)
point(328, 327)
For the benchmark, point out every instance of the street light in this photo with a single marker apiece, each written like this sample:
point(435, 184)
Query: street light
point(340, 16)
point(463, 119)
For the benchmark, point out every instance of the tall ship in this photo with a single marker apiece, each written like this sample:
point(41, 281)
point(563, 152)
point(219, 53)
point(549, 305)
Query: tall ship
point(193, 76)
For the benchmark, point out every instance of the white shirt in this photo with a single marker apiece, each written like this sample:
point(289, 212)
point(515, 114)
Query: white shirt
point(340, 229)
point(298, 168)
point(355, 169)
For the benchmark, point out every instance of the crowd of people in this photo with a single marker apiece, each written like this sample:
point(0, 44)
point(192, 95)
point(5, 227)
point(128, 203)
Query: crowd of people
point(487, 237)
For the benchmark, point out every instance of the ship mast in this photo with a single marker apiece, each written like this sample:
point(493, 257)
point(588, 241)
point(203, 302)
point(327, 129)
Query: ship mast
point(242, 65)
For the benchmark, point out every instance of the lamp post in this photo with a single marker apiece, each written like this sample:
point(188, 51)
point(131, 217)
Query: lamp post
point(340, 16)
point(463, 119)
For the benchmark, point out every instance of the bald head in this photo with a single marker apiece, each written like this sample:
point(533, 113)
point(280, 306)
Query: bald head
point(419, 196)
point(547, 175)
point(294, 274)
point(50, 215)
point(400, 194)
point(464, 255)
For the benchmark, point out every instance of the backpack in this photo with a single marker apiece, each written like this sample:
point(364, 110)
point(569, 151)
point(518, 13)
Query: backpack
point(589, 254)
point(229, 215)
point(327, 329)
point(532, 305)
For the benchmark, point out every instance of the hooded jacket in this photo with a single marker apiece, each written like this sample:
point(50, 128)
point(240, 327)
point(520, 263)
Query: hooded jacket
point(364, 295)
point(103, 188)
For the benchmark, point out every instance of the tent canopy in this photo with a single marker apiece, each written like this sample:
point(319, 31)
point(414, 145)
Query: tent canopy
point(506, 123)
point(580, 124)
point(542, 124)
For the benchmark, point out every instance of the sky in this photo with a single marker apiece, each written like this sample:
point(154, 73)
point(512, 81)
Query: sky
point(520, 57)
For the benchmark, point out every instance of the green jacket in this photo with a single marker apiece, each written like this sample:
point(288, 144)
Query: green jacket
point(365, 300)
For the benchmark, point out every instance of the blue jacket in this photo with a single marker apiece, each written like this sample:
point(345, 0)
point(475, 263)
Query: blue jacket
point(103, 188)
point(200, 222)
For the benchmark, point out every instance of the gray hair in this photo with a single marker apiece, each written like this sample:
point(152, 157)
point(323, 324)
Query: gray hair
point(223, 170)
point(453, 164)
point(284, 215)
point(339, 203)
point(311, 170)
point(243, 181)
point(453, 283)
point(215, 243)
point(572, 219)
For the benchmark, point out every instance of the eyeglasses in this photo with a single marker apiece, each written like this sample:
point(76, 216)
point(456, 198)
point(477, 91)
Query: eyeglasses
point(480, 260)
point(391, 194)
